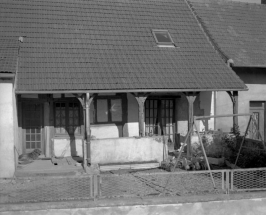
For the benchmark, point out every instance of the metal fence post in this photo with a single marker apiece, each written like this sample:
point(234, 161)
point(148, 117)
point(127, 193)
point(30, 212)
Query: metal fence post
point(232, 180)
point(96, 186)
point(91, 186)
point(227, 179)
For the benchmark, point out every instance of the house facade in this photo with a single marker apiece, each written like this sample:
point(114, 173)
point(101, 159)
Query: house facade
point(109, 81)
point(240, 40)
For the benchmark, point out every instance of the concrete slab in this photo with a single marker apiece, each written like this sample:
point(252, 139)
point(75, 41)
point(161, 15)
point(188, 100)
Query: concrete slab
point(238, 204)
point(45, 167)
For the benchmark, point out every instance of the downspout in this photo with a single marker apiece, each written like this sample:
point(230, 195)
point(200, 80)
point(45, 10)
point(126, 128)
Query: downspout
point(87, 128)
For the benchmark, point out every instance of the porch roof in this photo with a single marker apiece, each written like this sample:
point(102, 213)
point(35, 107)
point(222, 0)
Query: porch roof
point(108, 45)
point(237, 29)
point(8, 55)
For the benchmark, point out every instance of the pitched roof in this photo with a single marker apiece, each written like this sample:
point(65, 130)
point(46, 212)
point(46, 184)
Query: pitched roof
point(108, 45)
point(238, 29)
point(8, 55)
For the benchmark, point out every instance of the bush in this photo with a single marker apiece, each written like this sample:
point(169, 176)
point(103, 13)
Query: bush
point(248, 158)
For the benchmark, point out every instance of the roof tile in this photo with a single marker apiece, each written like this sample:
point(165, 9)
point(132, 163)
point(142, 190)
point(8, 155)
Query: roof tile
point(108, 44)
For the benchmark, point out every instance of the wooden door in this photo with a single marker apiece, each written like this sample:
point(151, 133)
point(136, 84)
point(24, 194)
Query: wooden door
point(257, 109)
point(32, 116)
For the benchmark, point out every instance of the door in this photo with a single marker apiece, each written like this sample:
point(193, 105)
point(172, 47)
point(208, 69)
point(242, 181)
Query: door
point(32, 119)
point(159, 117)
point(257, 109)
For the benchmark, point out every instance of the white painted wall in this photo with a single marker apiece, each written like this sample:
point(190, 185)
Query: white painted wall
point(256, 92)
point(128, 149)
point(67, 147)
point(7, 140)
point(104, 131)
point(131, 128)
point(207, 104)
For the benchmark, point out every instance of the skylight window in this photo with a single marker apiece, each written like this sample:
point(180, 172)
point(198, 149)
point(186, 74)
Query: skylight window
point(163, 37)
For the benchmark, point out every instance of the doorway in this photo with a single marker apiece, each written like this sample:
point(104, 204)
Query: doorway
point(257, 109)
point(32, 121)
point(160, 117)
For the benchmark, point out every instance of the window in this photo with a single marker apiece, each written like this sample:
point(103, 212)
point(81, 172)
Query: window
point(67, 118)
point(108, 110)
point(163, 37)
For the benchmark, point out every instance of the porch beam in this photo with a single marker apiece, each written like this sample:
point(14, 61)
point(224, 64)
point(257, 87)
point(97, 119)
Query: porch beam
point(141, 98)
point(234, 98)
point(191, 98)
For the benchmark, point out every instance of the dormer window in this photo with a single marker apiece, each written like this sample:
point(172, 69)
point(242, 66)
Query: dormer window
point(163, 38)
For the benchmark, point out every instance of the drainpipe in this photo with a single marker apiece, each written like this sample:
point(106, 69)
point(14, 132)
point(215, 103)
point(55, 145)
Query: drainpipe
point(87, 127)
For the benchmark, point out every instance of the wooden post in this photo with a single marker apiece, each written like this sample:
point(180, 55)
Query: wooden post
point(234, 99)
point(82, 102)
point(141, 98)
point(85, 101)
point(191, 98)
point(88, 127)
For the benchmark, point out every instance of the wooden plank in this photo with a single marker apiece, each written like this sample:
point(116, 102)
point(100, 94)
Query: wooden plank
point(129, 166)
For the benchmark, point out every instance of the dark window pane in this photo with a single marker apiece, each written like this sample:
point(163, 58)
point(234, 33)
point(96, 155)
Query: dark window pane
point(27, 145)
point(38, 137)
point(102, 110)
point(163, 37)
point(116, 110)
point(32, 137)
point(27, 137)
point(33, 145)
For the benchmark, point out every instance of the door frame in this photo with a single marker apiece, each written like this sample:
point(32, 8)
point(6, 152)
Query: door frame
point(24, 126)
point(174, 123)
point(262, 121)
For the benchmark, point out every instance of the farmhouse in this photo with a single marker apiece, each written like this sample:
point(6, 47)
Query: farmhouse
point(104, 80)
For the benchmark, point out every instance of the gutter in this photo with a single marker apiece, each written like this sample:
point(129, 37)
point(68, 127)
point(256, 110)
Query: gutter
point(124, 91)
point(251, 66)
point(7, 75)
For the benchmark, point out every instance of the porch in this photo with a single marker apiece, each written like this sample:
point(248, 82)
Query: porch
point(109, 128)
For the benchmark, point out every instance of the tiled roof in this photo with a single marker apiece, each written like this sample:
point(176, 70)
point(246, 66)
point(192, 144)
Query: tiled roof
point(238, 29)
point(8, 55)
point(108, 45)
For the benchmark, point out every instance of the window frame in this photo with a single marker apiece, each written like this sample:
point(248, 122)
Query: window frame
point(109, 118)
point(171, 44)
point(80, 124)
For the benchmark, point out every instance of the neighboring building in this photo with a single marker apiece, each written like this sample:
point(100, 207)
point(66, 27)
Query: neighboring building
point(238, 32)
point(98, 62)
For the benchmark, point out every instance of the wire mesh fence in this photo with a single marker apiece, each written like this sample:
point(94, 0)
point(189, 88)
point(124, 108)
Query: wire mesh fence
point(46, 189)
point(135, 184)
point(248, 179)
point(157, 184)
